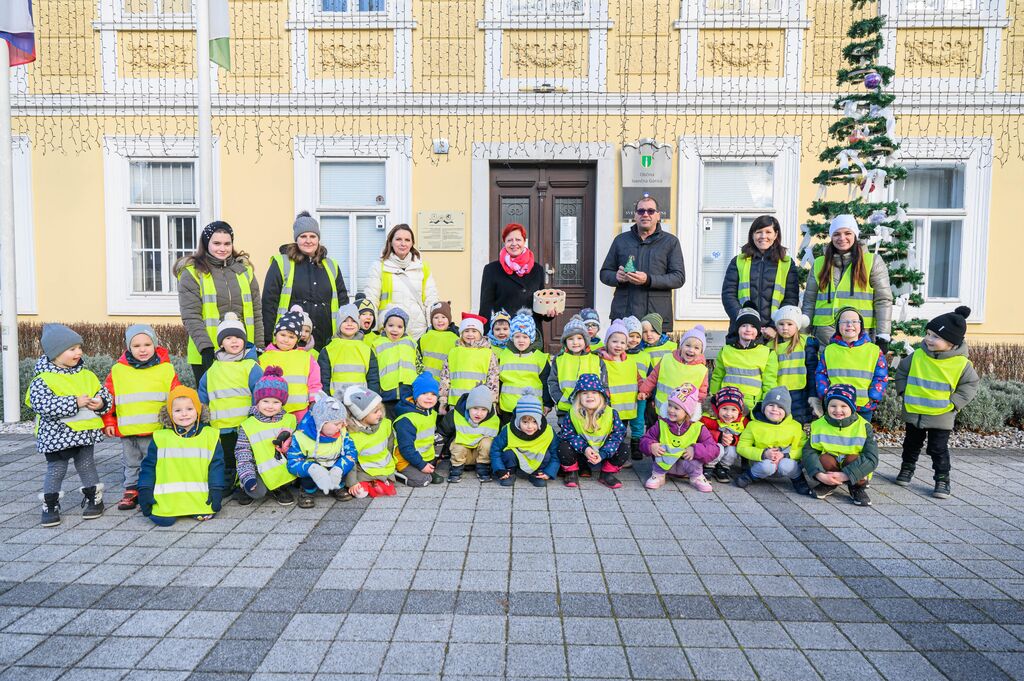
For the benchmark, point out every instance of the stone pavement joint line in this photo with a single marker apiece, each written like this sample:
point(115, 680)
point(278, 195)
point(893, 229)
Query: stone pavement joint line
point(481, 582)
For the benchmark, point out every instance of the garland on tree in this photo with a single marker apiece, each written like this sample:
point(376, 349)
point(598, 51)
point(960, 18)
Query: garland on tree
point(863, 162)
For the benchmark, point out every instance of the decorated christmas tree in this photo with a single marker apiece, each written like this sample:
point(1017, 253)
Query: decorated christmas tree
point(863, 169)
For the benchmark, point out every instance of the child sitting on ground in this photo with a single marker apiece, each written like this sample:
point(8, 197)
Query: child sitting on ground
point(623, 373)
point(473, 424)
point(841, 447)
point(227, 387)
point(936, 381)
point(500, 330)
point(746, 363)
point(374, 439)
point(263, 442)
point(347, 360)
point(796, 360)
point(367, 319)
point(300, 368)
point(183, 472)
point(679, 445)
point(852, 359)
point(685, 364)
point(592, 320)
point(397, 359)
point(522, 368)
point(528, 446)
point(321, 453)
point(773, 442)
point(591, 434)
point(574, 360)
point(726, 423)
point(635, 349)
point(139, 383)
point(68, 401)
point(440, 338)
point(470, 363)
point(414, 434)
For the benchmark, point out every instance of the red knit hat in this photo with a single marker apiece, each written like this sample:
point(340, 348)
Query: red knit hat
point(511, 227)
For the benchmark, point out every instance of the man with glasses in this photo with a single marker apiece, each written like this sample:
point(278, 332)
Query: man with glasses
point(644, 265)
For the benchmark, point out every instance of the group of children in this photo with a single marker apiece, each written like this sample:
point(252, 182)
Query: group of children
point(374, 408)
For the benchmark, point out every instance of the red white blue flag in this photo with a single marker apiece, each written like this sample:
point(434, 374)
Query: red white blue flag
point(17, 29)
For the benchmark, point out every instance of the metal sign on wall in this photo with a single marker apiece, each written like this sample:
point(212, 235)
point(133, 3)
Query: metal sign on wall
point(646, 169)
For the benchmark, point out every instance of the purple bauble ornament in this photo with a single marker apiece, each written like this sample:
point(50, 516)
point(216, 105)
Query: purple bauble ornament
point(872, 80)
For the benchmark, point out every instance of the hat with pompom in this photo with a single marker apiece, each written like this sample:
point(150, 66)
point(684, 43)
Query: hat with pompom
point(272, 385)
point(633, 325)
point(523, 323)
point(230, 327)
point(291, 320)
point(951, 326)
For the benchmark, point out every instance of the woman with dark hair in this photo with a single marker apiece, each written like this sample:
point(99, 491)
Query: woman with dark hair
point(509, 282)
point(401, 278)
point(762, 273)
point(848, 275)
point(302, 274)
point(213, 281)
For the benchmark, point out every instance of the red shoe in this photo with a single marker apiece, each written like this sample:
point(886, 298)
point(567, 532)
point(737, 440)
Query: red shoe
point(129, 501)
point(388, 488)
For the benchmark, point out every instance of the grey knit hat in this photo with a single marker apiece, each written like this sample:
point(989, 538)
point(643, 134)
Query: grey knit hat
point(529, 405)
point(57, 338)
point(481, 397)
point(573, 327)
point(304, 222)
point(360, 401)
point(779, 396)
point(347, 311)
point(231, 326)
point(326, 409)
point(135, 329)
point(395, 311)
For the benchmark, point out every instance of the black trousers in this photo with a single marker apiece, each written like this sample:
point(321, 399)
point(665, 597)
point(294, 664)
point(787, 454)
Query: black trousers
point(938, 449)
point(228, 441)
point(569, 456)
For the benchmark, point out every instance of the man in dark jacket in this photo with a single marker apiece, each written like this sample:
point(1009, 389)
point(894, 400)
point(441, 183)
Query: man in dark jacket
point(657, 268)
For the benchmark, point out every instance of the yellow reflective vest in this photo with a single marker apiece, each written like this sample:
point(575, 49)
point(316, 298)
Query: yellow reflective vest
point(287, 269)
point(673, 373)
point(434, 348)
point(839, 442)
point(183, 472)
point(835, 298)
point(227, 387)
point(793, 365)
point(530, 453)
point(745, 370)
point(622, 386)
point(270, 464)
point(656, 353)
point(295, 365)
point(469, 435)
point(932, 382)
point(519, 375)
point(778, 292)
point(350, 360)
point(210, 311)
point(425, 425)
point(595, 438)
point(396, 362)
point(852, 365)
point(374, 455)
point(787, 435)
point(467, 368)
point(82, 382)
point(138, 396)
point(570, 368)
point(675, 445)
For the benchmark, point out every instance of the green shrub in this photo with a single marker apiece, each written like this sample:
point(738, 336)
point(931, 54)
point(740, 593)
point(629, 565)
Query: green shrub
point(988, 412)
point(889, 414)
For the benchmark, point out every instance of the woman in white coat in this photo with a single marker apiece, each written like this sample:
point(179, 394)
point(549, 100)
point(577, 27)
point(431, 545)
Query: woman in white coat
point(402, 278)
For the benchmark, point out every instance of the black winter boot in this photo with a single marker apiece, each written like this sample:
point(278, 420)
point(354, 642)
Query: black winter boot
point(92, 502)
point(51, 509)
point(455, 474)
point(634, 450)
point(801, 487)
point(744, 479)
point(942, 490)
point(905, 476)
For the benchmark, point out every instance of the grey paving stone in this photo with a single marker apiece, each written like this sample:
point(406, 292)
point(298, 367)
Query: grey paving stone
point(843, 665)
point(653, 632)
point(384, 602)
point(150, 623)
point(847, 610)
point(695, 607)
point(424, 658)
point(535, 660)
point(293, 657)
point(929, 636)
point(178, 598)
point(127, 597)
point(953, 610)
point(752, 634)
point(719, 664)
point(1002, 611)
point(816, 635)
point(988, 637)
point(966, 666)
point(481, 603)
point(56, 651)
point(742, 607)
point(874, 636)
point(416, 627)
point(42, 620)
point(29, 593)
point(532, 603)
point(262, 625)
point(236, 657)
point(118, 653)
point(900, 610)
point(206, 625)
point(342, 658)
point(227, 598)
point(181, 654)
point(637, 605)
point(312, 627)
point(909, 666)
point(600, 662)
point(704, 633)
point(590, 631)
point(781, 665)
point(18, 673)
point(367, 627)
point(658, 663)
point(585, 605)
point(478, 629)
point(77, 596)
point(474, 660)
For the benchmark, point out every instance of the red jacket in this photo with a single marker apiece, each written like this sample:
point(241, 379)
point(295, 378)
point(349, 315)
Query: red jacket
point(712, 425)
point(110, 418)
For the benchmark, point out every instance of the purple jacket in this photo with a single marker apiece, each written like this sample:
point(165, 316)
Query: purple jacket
point(704, 450)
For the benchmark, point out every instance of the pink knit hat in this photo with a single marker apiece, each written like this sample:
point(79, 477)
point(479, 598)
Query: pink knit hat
point(272, 385)
point(685, 397)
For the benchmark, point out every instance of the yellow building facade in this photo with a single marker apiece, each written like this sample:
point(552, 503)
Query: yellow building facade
point(457, 116)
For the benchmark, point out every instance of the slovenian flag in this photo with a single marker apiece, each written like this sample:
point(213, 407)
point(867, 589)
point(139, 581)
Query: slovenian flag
point(220, 31)
point(17, 29)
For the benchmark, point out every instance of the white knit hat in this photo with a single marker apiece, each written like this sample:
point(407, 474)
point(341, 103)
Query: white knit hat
point(844, 221)
point(793, 314)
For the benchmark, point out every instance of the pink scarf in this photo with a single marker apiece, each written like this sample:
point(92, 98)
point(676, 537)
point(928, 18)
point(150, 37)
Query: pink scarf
point(519, 265)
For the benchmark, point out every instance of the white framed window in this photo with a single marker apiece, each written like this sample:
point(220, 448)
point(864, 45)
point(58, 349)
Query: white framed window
point(694, 15)
point(501, 16)
point(353, 7)
point(358, 188)
point(151, 197)
point(24, 226)
point(947, 191)
point(939, 6)
point(730, 181)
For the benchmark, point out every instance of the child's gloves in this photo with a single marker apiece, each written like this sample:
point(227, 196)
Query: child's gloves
point(282, 442)
point(336, 475)
point(146, 501)
point(214, 499)
point(249, 485)
point(321, 478)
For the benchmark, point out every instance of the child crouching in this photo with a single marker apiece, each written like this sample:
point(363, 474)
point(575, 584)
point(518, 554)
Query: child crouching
point(321, 453)
point(183, 472)
point(841, 447)
point(773, 441)
point(68, 400)
point(473, 424)
point(374, 438)
point(726, 423)
point(679, 445)
point(414, 434)
point(528, 446)
point(263, 442)
point(592, 433)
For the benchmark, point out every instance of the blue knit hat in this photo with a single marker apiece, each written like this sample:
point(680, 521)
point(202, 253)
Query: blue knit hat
point(843, 393)
point(590, 316)
point(523, 323)
point(529, 405)
point(425, 383)
point(500, 316)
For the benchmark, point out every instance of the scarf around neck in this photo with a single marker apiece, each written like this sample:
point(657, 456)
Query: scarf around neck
point(519, 265)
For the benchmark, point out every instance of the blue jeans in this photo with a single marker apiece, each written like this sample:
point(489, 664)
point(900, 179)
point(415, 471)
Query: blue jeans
point(787, 468)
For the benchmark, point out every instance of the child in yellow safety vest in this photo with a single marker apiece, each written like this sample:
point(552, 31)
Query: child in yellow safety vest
point(470, 363)
point(656, 343)
point(227, 389)
point(592, 320)
point(527, 446)
point(797, 358)
point(414, 434)
point(470, 426)
point(367, 320)
point(374, 437)
point(139, 382)
point(623, 372)
point(852, 359)
point(574, 360)
point(591, 434)
point(522, 367)
point(746, 363)
point(936, 382)
point(347, 360)
point(726, 422)
point(300, 368)
point(772, 442)
point(635, 349)
point(678, 443)
point(685, 364)
point(68, 401)
point(500, 331)
point(263, 441)
point(841, 448)
point(321, 453)
point(183, 472)
point(440, 338)
point(397, 359)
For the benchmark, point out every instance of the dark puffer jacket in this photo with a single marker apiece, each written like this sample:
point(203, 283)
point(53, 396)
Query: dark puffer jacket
point(762, 286)
point(311, 288)
point(229, 299)
point(660, 257)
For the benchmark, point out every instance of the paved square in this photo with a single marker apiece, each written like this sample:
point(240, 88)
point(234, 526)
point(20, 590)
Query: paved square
point(482, 582)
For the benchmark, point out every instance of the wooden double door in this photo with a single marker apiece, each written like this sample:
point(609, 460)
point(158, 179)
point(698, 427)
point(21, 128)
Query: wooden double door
point(555, 202)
